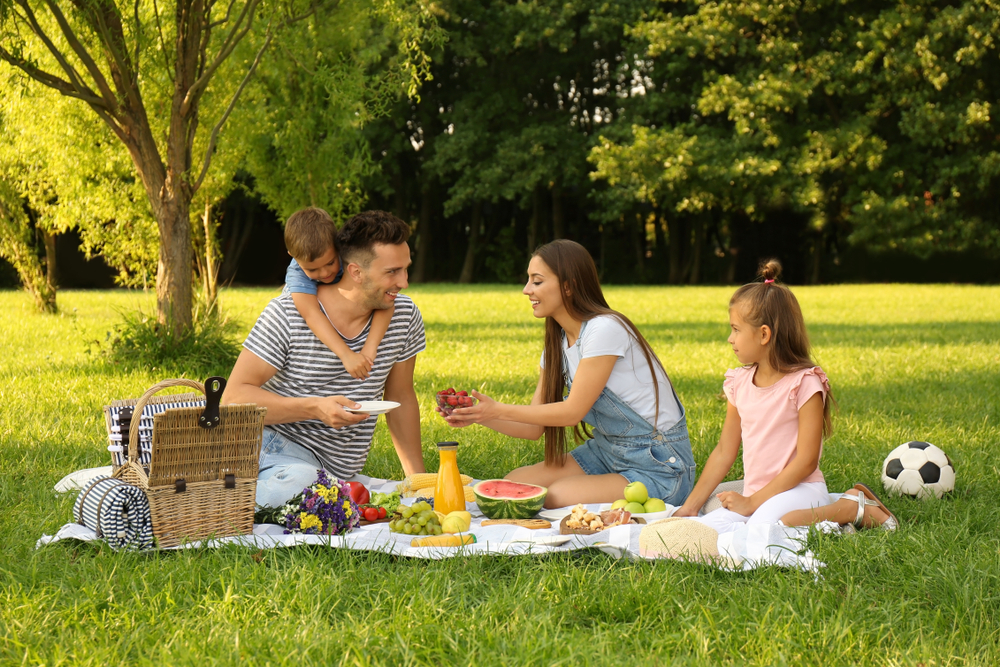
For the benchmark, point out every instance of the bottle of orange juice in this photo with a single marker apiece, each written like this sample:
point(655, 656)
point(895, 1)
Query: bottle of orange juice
point(448, 492)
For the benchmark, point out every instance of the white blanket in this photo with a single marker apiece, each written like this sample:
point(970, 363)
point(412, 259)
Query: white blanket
point(746, 548)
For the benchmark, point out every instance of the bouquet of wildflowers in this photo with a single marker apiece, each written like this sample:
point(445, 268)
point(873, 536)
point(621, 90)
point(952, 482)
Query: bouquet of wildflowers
point(325, 508)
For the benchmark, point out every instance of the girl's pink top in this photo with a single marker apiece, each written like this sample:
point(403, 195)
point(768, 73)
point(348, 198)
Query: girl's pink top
point(769, 418)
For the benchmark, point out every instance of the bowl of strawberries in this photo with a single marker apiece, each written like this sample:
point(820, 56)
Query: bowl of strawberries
point(449, 399)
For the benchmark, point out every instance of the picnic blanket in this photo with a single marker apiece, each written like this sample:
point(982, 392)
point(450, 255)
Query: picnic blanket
point(746, 548)
point(115, 511)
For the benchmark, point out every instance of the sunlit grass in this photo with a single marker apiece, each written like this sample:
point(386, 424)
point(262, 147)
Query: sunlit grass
point(905, 362)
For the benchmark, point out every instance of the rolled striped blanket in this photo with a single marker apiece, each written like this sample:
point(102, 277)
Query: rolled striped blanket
point(116, 511)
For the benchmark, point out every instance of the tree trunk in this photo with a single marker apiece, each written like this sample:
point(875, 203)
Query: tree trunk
point(535, 221)
point(422, 264)
point(51, 264)
point(558, 216)
point(173, 271)
point(817, 255)
point(210, 275)
point(694, 277)
point(639, 246)
point(468, 267)
point(675, 230)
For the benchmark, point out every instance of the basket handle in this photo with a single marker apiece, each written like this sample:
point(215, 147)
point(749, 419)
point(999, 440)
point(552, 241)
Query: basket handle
point(140, 405)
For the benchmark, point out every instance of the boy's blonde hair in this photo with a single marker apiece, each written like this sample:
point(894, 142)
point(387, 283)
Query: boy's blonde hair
point(309, 233)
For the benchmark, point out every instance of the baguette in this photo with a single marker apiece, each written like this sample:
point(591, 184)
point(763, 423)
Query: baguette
point(532, 524)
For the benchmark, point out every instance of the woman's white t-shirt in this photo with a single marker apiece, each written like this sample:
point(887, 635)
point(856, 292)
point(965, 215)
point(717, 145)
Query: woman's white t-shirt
point(630, 379)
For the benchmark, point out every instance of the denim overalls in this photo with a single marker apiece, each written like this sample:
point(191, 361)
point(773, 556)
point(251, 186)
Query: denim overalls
point(626, 444)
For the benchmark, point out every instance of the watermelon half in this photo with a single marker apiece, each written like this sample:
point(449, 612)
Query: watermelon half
point(503, 499)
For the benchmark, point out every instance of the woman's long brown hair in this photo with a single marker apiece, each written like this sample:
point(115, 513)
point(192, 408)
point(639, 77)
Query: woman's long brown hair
point(575, 271)
point(774, 304)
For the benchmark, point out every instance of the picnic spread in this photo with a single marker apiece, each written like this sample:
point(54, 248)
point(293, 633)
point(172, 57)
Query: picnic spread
point(184, 471)
point(744, 549)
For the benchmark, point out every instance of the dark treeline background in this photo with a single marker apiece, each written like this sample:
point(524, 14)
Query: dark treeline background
point(681, 143)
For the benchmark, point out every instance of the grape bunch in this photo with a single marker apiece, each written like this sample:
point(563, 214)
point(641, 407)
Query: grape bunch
point(417, 519)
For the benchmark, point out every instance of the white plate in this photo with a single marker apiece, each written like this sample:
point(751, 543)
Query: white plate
point(374, 407)
point(649, 517)
point(546, 540)
point(556, 515)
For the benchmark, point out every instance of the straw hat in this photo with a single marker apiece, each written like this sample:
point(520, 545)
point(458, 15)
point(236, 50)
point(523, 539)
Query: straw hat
point(678, 537)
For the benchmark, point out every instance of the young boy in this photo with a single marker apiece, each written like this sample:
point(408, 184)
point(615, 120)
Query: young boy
point(311, 240)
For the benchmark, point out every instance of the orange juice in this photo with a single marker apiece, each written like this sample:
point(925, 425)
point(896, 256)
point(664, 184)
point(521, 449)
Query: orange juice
point(448, 493)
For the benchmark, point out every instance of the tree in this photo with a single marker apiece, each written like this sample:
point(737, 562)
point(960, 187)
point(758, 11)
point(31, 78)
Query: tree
point(338, 71)
point(17, 248)
point(873, 119)
point(492, 161)
point(145, 72)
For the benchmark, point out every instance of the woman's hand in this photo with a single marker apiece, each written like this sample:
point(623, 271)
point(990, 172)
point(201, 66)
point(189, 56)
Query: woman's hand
point(684, 511)
point(486, 410)
point(735, 502)
point(453, 419)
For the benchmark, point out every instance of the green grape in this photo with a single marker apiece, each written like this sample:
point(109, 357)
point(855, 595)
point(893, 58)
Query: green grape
point(414, 520)
point(405, 512)
point(408, 529)
point(422, 521)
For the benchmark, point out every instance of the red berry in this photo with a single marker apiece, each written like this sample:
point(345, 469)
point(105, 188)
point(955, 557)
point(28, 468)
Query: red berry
point(452, 401)
point(463, 393)
point(450, 391)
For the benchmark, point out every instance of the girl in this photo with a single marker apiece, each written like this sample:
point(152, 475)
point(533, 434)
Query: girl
point(779, 409)
point(616, 385)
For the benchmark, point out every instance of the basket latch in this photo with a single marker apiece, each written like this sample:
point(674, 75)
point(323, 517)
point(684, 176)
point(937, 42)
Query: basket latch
point(180, 485)
point(214, 386)
point(230, 481)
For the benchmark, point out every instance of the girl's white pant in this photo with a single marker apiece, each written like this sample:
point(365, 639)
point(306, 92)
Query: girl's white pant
point(804, 496)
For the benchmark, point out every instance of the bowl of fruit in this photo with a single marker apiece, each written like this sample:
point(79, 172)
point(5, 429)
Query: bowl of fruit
point(449, 399)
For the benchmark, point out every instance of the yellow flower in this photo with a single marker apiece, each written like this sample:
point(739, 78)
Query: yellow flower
point(347, 508)
point(307, 521)
point(329, 494)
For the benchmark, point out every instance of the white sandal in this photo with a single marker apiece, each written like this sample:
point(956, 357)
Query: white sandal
point(867, 498)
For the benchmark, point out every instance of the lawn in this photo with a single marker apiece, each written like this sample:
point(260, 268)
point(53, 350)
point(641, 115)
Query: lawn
point(905, 362)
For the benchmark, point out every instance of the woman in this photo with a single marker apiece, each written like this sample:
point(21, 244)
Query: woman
point(616, 384)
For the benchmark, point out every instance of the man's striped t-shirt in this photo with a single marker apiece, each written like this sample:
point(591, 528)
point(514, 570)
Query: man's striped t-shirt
point(307, 367)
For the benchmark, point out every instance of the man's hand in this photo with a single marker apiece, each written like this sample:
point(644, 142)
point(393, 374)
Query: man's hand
point(330, 410)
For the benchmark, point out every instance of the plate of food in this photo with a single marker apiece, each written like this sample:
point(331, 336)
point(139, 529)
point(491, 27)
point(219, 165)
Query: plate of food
point(648, 517)
point(373, 407)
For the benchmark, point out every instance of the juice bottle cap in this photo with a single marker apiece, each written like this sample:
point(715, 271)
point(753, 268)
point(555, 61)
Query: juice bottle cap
point(449, 444)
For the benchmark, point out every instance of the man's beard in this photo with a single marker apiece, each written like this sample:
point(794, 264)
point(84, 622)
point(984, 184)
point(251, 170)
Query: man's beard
point(374, 296)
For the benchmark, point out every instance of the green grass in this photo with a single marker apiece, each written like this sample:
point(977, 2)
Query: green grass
point(905, 362)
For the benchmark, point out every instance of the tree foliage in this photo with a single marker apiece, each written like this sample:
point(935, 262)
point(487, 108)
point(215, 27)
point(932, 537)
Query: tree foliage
point(874, 119)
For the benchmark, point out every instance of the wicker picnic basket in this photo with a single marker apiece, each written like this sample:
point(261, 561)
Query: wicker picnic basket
point(202, 475)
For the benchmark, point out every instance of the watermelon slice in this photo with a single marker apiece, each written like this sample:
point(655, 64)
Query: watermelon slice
point(503, 499)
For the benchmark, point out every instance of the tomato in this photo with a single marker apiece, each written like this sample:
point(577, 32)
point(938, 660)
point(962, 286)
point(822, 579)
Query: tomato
point(382, 513)
point(371, 514)
point(359, 494)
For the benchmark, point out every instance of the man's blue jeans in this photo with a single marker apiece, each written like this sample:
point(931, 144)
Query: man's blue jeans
point(285, 469)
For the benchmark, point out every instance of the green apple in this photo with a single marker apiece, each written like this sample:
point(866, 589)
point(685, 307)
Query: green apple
point(655, 505)
point(621, 502)
point(636, 493)
point(635, 508)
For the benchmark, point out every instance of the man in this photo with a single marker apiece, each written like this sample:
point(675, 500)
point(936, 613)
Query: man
point(305, 386)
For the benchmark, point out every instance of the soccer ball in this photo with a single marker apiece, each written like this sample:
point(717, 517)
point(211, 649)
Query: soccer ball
point(918, 469)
